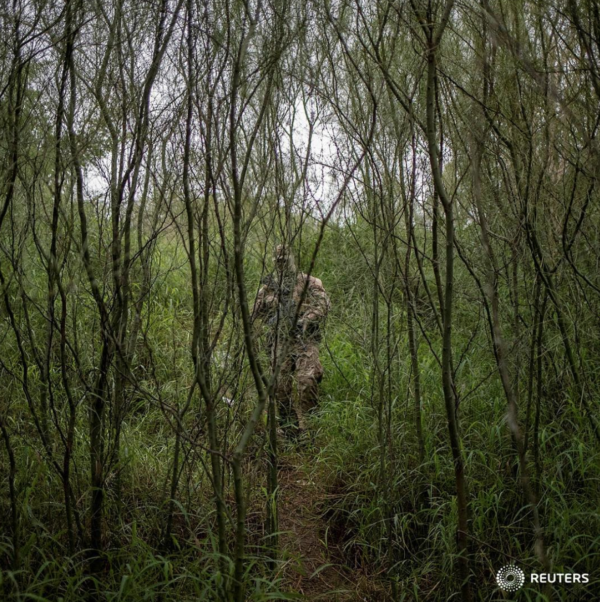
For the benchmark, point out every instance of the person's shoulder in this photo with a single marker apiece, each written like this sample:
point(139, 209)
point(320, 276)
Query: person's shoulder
point(312, 280)
point(316, 282)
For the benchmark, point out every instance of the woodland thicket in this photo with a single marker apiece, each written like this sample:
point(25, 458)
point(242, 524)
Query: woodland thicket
point(435, 163)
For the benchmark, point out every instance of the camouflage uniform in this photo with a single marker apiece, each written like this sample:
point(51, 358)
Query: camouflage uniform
point(276, 303)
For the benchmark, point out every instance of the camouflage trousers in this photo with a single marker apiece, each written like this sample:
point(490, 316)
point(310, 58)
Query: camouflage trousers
point(302, 364)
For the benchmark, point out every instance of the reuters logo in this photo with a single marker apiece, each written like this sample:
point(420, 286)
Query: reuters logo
point(510, 578)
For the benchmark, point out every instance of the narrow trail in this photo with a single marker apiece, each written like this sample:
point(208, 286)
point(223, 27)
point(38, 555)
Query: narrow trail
point(313, 568)
point(314, 564)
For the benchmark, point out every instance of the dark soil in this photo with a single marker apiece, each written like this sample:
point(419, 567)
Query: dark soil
point(314, 563)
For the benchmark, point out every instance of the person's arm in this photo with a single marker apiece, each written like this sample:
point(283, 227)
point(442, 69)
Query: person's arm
point(266, 300)
point(317, 305)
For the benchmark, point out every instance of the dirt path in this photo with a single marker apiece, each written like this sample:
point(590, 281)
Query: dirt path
point(313, 569)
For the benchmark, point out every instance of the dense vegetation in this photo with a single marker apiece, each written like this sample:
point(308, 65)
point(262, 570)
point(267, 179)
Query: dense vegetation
point(435, 163)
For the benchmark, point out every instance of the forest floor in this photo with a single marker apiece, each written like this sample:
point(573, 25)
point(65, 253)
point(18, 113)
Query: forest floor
point(315, 566)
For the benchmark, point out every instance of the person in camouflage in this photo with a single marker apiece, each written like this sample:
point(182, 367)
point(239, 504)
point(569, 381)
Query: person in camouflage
point(294, 345)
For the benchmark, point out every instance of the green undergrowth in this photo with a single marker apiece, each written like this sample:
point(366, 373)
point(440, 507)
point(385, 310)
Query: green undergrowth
point(396, 517)
point(392, 516)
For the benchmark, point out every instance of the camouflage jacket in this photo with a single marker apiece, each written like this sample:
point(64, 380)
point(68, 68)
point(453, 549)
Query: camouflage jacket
point(311, 315)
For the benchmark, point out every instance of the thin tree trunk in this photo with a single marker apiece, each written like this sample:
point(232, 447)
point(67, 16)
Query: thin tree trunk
point(434, 39)
point(500, 353)
point(14, 509)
